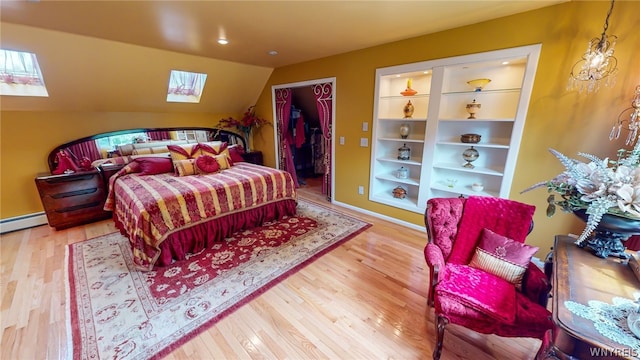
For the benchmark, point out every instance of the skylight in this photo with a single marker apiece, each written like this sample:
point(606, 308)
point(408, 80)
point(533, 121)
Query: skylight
point(185, 87)
point(20, 74)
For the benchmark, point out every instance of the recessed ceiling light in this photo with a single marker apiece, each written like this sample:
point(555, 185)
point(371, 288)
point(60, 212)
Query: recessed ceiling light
point(505, 63)
point(223, 41)
point(273, 53)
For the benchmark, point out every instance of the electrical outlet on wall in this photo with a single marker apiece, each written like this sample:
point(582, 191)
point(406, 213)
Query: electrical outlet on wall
point(365, 126)
point(341, 140)
point(361, 190)
point(364, 142)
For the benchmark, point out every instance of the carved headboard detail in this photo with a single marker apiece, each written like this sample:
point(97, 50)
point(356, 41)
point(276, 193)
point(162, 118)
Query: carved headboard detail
point(190, 134)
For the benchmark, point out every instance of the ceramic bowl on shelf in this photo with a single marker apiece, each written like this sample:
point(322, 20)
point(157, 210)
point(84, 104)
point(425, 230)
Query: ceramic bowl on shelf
point(477, 187)
point(470, 138)
point(408, 92)
point(478, 84)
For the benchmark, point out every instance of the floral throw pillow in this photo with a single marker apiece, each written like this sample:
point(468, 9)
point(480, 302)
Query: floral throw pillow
point(503, 257)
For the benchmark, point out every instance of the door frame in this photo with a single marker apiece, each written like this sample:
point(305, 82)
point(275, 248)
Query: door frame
point(276, 130)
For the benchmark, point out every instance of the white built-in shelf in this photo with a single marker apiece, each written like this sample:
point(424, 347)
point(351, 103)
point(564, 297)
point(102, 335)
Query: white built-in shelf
point(440, 117)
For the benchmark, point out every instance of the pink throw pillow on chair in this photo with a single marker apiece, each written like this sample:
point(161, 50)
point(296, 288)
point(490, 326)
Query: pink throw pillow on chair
point(503, 257)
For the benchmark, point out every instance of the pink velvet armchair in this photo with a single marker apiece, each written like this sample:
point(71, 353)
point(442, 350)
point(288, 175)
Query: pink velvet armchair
point(481, 274)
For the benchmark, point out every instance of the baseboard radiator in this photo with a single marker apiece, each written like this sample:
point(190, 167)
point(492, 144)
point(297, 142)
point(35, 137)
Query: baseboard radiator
point(22, 222)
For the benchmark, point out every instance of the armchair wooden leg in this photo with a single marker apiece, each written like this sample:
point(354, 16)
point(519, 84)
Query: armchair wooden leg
point(430, 297)
point(440, 324)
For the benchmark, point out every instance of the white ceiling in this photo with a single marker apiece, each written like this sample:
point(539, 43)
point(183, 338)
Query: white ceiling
point(298, 30)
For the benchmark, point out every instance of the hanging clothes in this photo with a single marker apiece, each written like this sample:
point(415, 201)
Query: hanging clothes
point(299, 133)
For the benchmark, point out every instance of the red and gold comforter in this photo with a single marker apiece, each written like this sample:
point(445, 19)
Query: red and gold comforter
point(149, 208)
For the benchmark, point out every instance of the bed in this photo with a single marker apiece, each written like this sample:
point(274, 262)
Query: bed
point(168, 214)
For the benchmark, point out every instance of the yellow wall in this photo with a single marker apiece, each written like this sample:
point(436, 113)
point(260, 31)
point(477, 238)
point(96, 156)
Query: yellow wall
point(559, 119)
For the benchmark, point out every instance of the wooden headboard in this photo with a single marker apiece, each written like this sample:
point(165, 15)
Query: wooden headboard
point(206, 134)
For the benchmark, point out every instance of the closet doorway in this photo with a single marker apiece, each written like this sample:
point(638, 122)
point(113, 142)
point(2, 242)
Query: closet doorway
point(304, 113)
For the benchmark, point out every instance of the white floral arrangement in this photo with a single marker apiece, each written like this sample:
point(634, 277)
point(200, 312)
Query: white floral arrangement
point(601, 186)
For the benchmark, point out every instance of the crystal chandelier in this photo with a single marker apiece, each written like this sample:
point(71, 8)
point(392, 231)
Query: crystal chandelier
point(597, 64)
point(632, 116)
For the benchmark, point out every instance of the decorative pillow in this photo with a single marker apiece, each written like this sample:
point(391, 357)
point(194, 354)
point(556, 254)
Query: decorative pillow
point(125, 149)
point(503, 257)
point(143, 151)
point(211, 149)
point(159, 150)
point(235, 153)
point(181, 152)
point(185, 167)
point(162, 155)
point(206, 164)
point(154, 165)
point(223, 160)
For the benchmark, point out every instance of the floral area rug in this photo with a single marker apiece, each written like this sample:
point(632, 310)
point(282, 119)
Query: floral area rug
point(115, 311)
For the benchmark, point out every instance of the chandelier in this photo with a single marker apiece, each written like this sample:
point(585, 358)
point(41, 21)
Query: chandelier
point(632, 116)
point(597, 64)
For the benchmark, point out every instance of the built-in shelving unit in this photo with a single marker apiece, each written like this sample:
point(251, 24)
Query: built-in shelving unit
point(439, 118)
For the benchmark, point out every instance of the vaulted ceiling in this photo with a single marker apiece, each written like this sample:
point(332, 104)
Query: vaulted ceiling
point(298, 30)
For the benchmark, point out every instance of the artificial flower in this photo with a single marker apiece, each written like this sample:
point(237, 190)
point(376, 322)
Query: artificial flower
point(600, 186)
point(248, 122)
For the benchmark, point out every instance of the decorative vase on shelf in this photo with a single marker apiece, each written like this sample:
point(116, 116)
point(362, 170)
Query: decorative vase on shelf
point(404, 153)
point(470, 155)
point(472, 109)
point(402, 173)
point(404, 131)
point(408, 110)
point(609, 235)
point(408, 91)
point(399, 192)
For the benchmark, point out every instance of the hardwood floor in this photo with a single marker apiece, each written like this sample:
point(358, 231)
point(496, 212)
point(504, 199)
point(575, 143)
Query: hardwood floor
point(364, 300)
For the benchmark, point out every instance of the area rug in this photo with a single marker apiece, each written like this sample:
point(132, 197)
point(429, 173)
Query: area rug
point(117, 312)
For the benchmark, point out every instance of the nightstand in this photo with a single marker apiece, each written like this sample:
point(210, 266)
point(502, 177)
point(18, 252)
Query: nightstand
point(73, 199)
point(254, 157)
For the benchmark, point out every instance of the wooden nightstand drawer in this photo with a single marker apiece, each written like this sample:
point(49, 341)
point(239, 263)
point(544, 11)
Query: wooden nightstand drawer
point(72, 199)
point(58, 184)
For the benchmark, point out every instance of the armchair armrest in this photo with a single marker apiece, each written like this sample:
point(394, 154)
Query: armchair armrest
point(535, 285)
point(435, 259)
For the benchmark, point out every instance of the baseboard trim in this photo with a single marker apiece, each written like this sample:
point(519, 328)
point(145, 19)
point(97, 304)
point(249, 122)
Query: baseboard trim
point(383, 217)
point(22, 222)
point(37, 219)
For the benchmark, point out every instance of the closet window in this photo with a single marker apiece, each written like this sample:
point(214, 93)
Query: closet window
point(20, 74)
point(185, 87)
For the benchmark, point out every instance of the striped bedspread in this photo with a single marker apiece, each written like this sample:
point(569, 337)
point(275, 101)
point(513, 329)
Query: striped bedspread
point(151, 207)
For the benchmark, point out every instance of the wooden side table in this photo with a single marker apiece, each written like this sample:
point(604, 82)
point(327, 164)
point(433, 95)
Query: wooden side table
point(72, 199)
point(580, 276)
point(254, 157)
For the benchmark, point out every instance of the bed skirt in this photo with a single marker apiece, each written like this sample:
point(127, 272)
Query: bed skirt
point(200, 236)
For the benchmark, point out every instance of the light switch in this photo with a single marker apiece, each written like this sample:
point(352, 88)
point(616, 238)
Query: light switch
point(364, 142)
point(365, 126)
point(341, 140)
